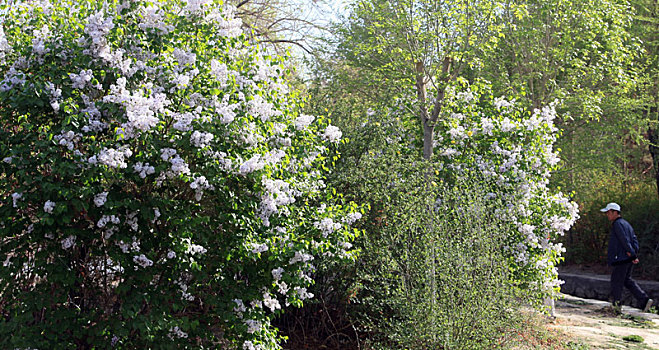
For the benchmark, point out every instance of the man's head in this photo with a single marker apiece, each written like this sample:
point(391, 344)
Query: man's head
point(612, 211)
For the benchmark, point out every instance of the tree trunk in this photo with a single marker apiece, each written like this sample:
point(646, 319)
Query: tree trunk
point(427, 125)
point(653, 136)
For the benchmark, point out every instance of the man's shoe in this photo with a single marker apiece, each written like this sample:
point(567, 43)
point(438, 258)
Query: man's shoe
point(648, 305)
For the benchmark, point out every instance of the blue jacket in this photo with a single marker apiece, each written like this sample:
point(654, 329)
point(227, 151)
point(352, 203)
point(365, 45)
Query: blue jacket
point(621, 240)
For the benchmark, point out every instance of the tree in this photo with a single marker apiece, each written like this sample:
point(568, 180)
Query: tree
point(278, 24)
point(420, 45)
point(647, 29)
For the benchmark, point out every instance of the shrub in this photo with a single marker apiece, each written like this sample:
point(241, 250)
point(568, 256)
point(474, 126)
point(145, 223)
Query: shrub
point(162, 188)
point(633, 338)
point(437, 269)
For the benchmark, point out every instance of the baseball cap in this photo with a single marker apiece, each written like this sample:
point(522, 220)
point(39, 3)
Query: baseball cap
point(610, 206)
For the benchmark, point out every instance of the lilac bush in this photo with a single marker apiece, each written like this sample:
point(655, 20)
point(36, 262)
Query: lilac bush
point(511, 148)
point(162, 188)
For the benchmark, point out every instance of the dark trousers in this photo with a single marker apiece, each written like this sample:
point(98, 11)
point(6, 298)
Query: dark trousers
point(622, 276)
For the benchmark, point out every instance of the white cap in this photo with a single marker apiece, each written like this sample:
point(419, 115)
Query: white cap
point(610, 206)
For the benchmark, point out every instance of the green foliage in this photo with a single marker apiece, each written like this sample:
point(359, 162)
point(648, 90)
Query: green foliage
point(438, 270)
point(633, 338)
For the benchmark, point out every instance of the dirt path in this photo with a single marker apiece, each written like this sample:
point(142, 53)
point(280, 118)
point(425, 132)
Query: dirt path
point(592, 323)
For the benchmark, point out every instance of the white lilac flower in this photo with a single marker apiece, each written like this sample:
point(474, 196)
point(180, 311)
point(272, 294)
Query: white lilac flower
point(184, 58)
point(200, 184)
point(143, 169)
point(274, 157)
point(449, 152)
point(226, 112)
point(12, 79)
point(270, 302)
point(253, 326)
point(220, 71)
point(507, 125)
point(106, 219)
point(332, 134)
point(457, 133)
point(156, 215)
point(114, 158)
point(352, 218)
point(487, 126)
point(201, 139)
point(181, 81)
point(228, 25)
point(16, 197)
point(465, 96)
point(560, 224)
point(179, 166)
point(185, 295)
point(142, 111)
point(49, 206)
point(183, 121)
point(98, 27)
point(300, 257)
point(176, 332)
point(501, 103)
point(4, 45)
point(142, 260)
point(81, 80)
point(303, 293)
point(253, 164)
point(167, 153)
point(240, 306)
point(249, 345)
point(171, 254)
point(303, 121)
point(277, 193)
point(262, 109)
point(40, 37)
point(7, 160)
point(282, 287)
point(194, 249)
point(67, 138)
point(194, 7)
point(152, 18)
point(55, 94)
point(68, 242)
point(327, 226)
point(277, 273)
point(100, 199)
point(258, 248)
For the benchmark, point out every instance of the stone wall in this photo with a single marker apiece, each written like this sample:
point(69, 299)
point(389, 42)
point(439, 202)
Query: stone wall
point(598, 287)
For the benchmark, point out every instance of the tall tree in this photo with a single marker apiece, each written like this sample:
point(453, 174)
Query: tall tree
point(647, 29)
point(420, 46)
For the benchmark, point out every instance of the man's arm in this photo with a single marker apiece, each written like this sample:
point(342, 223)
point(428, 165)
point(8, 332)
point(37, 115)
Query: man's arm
point(619, 231)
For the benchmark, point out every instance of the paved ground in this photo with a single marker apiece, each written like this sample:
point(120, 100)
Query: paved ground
point(593, 323)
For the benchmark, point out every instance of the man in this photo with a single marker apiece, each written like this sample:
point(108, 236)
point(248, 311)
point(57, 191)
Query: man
point(623, 247)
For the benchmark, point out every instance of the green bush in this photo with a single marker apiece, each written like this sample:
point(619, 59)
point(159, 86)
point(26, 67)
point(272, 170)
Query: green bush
point(633, 338)
point(160, 187)
point(440, 270)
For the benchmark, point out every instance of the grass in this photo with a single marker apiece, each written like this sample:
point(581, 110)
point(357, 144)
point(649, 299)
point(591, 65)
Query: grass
point(536, 335)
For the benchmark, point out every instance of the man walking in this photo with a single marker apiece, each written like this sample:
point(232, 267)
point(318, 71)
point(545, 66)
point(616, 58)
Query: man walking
point(623, 247)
